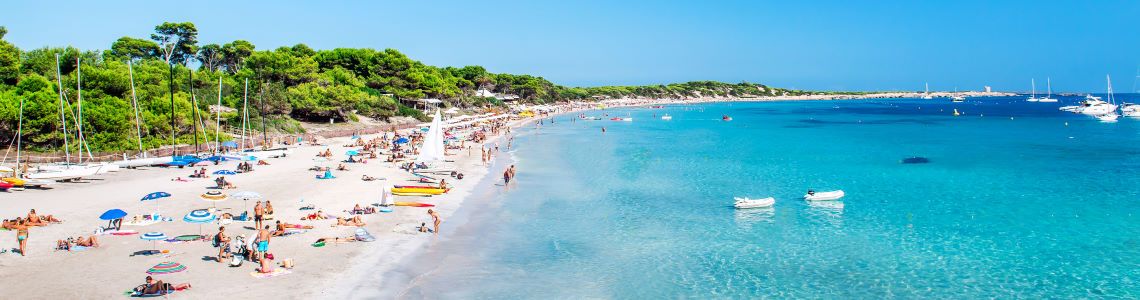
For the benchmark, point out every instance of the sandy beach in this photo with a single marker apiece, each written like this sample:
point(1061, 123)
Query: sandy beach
point(111, 270)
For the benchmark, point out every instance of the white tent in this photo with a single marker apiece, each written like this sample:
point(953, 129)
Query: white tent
point(433, 148)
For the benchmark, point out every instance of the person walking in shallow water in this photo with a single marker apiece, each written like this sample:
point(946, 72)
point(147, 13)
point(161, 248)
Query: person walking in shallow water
point(434, 220)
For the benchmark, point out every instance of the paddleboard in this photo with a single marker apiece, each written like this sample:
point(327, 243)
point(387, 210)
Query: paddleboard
point(414, 204)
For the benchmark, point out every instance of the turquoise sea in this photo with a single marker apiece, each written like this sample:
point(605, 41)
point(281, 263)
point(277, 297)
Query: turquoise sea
point(1019, 200)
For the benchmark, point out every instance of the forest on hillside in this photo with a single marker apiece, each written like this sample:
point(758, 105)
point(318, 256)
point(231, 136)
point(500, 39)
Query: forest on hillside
point(286, 86)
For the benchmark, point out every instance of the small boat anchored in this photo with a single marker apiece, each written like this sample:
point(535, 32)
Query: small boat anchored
point(725, 118)
point(824, 196)
point(666, 117)
point(744, 202)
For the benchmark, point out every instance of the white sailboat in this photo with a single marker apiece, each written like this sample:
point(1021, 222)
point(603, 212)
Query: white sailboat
point(1033, 91)
point(142, 159)
point(433, 148)
point(926, 95)
point(65, 170)
point(1049, 88)
point(15, 178)
point(1110, 115)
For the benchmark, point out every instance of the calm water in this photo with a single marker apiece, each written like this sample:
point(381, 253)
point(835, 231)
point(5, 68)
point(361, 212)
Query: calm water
point(1024, 207)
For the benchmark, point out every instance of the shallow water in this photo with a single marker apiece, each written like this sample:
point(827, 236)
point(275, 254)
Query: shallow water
point(1042, 205)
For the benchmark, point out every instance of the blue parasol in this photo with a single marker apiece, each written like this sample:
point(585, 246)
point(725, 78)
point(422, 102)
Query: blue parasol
point(113, 214)
point(224, 172)
point(402, 140)
point(155, 196)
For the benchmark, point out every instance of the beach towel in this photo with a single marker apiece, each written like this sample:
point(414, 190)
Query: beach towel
point(363, 235)
point(119, 232)
point(276, 272)
point(139, 222)
point(294, 231)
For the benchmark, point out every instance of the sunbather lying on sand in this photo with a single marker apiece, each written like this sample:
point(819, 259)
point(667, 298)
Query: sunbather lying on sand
point(367, 178)
point(319, 215)
point(283, 227)
point(357, 210)
point(337, 239)
point(153, 287)
point(90, 241)
point(354, 221)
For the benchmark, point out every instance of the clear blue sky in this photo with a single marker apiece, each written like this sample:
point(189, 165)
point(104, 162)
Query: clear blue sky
point(823, 45)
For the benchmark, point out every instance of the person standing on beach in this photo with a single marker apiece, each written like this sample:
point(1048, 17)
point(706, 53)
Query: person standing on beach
point(263, 247)
point(435, 220)
point(223, 242)
point(22, 235)
point(258, 211)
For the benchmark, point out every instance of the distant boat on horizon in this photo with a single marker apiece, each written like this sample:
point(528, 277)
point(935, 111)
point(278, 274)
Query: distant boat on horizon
point(1049, 88)
point(1032, 91)
point(926, 95)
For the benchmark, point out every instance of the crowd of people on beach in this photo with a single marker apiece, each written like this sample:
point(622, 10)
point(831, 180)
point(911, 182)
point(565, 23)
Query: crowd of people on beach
point(234, 248)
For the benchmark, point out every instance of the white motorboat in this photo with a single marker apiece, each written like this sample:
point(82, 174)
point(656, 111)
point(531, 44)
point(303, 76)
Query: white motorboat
point(824, 196)
point(666, 117)
point(743, 202)
point(957, 98)
point(1070, 108)
point(1130, 110)
point(1101, 109)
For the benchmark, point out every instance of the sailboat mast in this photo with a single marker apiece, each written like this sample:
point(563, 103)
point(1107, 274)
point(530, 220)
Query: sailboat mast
point(135, 104)
point(19, 139)
point(173, 129)
point(264, 135)
point(1049, 87)
point(194, 106)
point(244, 114)
point(218, 120)
point(62, 118)
point(1033, 88)
point(79, 100)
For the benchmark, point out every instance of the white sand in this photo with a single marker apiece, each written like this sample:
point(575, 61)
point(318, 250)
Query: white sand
point(109, 271)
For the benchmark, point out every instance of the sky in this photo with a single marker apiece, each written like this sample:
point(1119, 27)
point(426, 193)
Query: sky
point(811, 45)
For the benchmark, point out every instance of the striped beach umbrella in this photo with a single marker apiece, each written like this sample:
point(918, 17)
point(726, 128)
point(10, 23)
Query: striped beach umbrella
point(166, 268)
point(199, 216)
point(154, 237)
point(214, 196)
point(224, 172)
point(155, 196)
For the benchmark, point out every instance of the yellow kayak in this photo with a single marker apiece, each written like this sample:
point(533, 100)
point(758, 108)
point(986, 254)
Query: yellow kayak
point(14, 181)
point(430, 191)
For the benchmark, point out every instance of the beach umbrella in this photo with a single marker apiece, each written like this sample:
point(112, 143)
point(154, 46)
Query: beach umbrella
point(245, 197)
point(402, 140)
point(224, 172)
point(153, 236)
point(352, 153)
point(214, 196)
point(155, 196)
point(199, 216)
point(230, 144)
point(166, 268)
point(113, 214)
